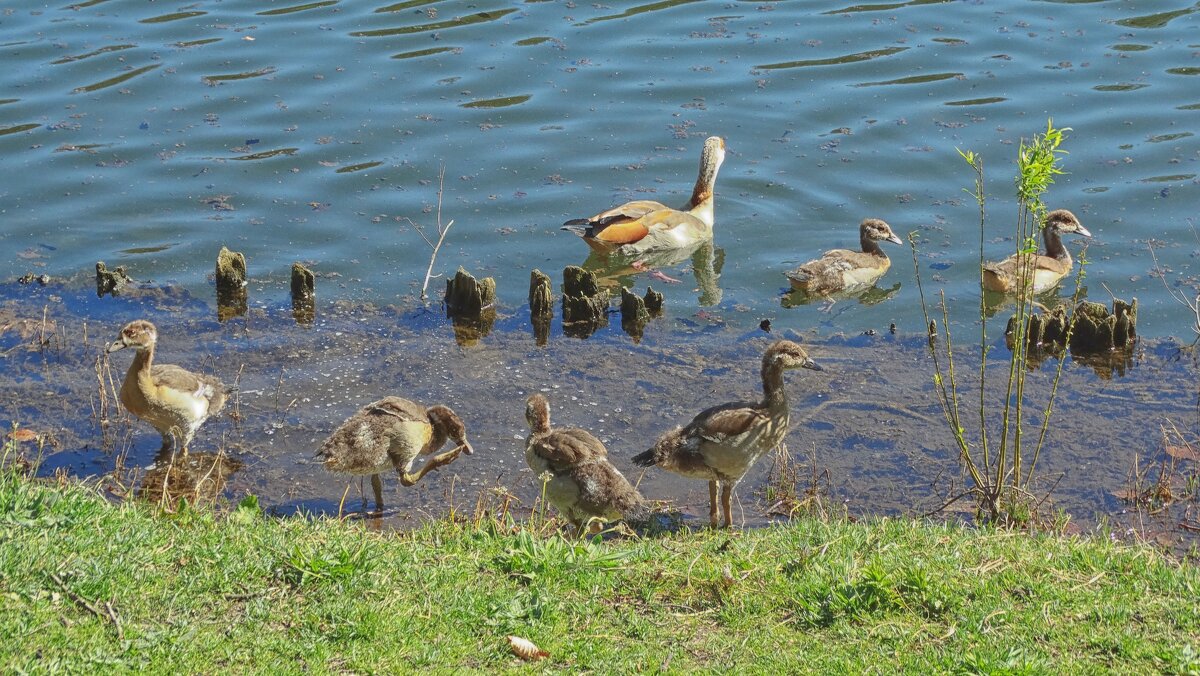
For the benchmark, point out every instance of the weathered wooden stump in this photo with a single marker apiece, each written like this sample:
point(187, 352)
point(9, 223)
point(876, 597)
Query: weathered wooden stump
point(584, 303)
point(541, 306)
point(633, 314)
point(304, 294)
point(1096, 330)
point(471, 306)
point(110, 281)
point(231, 284)
point(654, 302)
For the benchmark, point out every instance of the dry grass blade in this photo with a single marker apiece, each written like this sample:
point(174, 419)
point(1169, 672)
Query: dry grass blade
point(525, 649)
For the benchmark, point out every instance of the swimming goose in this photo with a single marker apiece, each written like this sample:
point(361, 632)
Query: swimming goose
point(583, 484)
point(845, 270)
point(391, 433)
point(645, 225)
point(1049, 269)
point(175, 401)
point(721, 443)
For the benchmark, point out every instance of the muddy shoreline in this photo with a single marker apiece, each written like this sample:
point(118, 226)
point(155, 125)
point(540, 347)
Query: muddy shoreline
point(870, 420)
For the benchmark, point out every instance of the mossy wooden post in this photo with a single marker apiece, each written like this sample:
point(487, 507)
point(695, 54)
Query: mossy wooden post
point(304, 294)
point(110, 281)
point(633, 314)
point(1098, 330)
point(471, 306)
point(584, 303)
point(654, 302)
point(231, 284)
point(541, 306)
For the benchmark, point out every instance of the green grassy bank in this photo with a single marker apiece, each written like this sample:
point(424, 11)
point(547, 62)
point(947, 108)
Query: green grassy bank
point(87, 585)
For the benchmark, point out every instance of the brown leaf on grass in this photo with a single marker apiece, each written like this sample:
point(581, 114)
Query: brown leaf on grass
point(525, 649)
point(1183, 453)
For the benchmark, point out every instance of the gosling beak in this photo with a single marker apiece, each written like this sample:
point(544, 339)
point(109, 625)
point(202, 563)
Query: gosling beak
point(894, 239)
point(1083, 231)
point(466, 446)
point(116, 345)
point(810, 364)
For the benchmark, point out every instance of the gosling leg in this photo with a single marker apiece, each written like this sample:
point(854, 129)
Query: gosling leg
point(712, 502)
point(377, 486)
point(410, 478)
point(726, 493)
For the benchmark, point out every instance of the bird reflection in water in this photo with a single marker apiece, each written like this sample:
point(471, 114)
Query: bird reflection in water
point(614, 270)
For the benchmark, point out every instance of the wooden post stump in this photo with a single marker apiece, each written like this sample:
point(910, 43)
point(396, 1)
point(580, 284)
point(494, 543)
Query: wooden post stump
point(471, 306)
point(304, 294)
point(231, 284)
point(584, 303)
point(541, 306)
point(110, 281)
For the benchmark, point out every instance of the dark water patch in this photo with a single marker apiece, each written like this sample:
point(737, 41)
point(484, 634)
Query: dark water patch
point(501, 102)
point(265, 154)
point(426, 52)
point(469, 19)
point(95, 52)
point(196, 43)
point(913, 79)
point(529, 42)
point(1129, 48)
point(884, 7)
point(358, 167)
point(113, 81)
point(977, 102)
point(1126, 87)
point(217, 79)
point(84, 5)
point(146, 249)
point(175, 16)
point(1155, 20)
point(401, 6)
point(17, 129)
point(954, 42)
point(1173, 178)
point(834, 61)
point(1096, 189)
point(7, 101)
point(81, 147)
point(639, 9)
point(1190, 106)
point(1169, 137)
point(1184, 70)
point(297, 8)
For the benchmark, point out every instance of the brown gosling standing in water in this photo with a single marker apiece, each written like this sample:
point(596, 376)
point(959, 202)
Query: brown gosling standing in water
point(583, 484)
point(845, 270)
point(175, 401)
point(721, 443)
point(1047, 270)
point(391, 433)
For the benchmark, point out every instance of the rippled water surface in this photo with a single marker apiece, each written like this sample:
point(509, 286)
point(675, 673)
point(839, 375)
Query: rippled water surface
point(149, 135)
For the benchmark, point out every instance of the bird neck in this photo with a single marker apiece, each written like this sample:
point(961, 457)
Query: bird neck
point(773, 392)
point(1054, 245)
point(705, 183)
point(142, 361)
point(870, 246)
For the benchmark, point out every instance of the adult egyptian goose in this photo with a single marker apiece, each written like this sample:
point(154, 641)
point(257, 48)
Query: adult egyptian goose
point(175, 401)
point(1047, 270)
point(845, 270)
point(583, 484)
point(721, 443)
point(391, 433)
point(643, 226)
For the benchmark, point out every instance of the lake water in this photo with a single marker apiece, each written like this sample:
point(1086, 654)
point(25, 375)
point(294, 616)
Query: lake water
point(150, 135)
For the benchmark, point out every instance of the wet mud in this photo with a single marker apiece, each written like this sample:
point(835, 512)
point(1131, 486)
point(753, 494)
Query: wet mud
point(869, 423)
